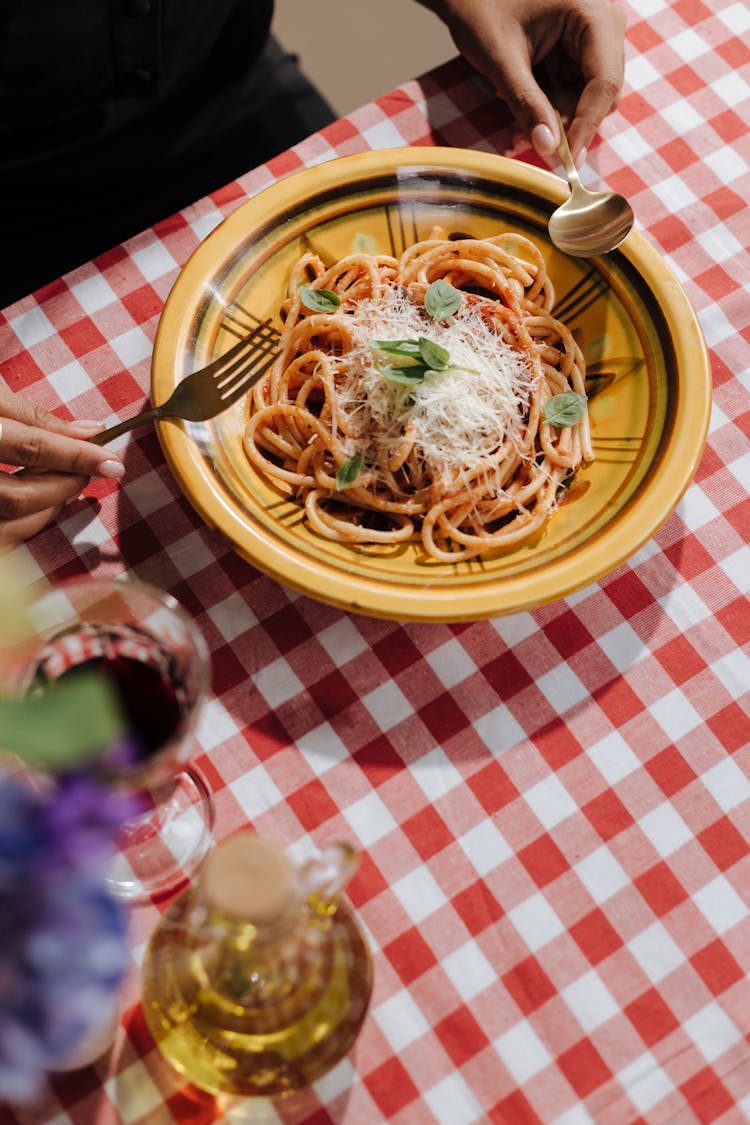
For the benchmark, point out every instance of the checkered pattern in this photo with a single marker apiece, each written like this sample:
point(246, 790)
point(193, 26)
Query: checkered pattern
point(554, 807)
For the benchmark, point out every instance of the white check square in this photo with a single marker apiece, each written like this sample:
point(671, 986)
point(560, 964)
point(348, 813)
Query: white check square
point(536, 922)
point(675, 714)
point(590, 1001)
point(613, 757)
point(419, 894)
point(451, 663)
point(322, 748)
point(400, 1020)
point(370, 818)
point(215, 725)
point(342, 641)
point(665, 829)
point(712, 1031)
point(720, 904)
point(453, 1102)
point(277, 683)
point(388, 705)
point(255, 792)
point(645, 1083)
point(499, 730)
point(232, 616)
point(436, 775)
point(727, 784)
point(469, 970)
point(656, 952)
point(485, 846)
point(550, 801)
point(523, 1052)
point(601, 874)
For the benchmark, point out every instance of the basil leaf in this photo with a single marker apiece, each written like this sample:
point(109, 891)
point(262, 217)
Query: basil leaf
point(409, 348)
point(434, 355)
point(364, 244)
point(441, 299)
point(565, 409)
point(406, 376)
point(318, 300)
point(348, 472)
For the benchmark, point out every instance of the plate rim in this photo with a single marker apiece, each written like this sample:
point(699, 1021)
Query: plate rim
point(361, 594)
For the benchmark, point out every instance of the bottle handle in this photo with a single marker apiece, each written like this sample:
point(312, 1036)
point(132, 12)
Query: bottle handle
point(323, 878)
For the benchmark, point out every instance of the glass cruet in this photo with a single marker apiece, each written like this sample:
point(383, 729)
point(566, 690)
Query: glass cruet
point(257, 979)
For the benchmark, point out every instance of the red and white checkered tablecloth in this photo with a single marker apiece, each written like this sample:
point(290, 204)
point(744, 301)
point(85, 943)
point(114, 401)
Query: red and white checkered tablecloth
point(553, 807)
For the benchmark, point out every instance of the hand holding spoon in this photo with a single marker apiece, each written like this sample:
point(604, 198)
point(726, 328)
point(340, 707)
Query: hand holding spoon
point(589, 223)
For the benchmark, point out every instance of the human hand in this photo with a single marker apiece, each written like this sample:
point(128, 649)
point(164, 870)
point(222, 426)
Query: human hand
point(56, 460)
point(505, 39)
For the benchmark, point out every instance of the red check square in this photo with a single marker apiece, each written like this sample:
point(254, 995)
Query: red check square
point(651, 1017)
point(607, 815)
point(716, 967)
point(584, 1068)
point(514, 1110)
point(707, 1096)
point(529, 985)
point(410, 955)
point(724, 843)
point(595, 936)
point(543, 860)
point(461, 1036)
point(428, 832)
point(670, 771)
point(477, 907)
point(661, 889)
point(391, 1087)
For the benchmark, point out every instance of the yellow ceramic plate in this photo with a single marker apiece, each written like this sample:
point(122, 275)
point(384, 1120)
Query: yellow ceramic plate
point(649, 385)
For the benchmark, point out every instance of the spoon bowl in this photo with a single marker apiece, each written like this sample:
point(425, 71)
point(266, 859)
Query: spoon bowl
point(589, 222)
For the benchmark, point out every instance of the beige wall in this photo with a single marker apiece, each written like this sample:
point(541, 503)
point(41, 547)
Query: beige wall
point(354, 50)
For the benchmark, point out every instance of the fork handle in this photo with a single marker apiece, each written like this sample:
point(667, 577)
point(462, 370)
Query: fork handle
point(123, 427)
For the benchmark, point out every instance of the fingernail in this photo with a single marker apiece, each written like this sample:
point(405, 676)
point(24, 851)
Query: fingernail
point(112, 469)
point(581, 157)
point(542, 139)
point(88, 425)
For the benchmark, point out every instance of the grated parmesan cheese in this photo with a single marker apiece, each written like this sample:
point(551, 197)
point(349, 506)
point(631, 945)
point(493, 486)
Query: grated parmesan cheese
point(457, 417)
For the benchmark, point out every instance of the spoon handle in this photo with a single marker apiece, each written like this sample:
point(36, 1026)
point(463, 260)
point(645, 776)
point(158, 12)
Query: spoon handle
point(565, 154)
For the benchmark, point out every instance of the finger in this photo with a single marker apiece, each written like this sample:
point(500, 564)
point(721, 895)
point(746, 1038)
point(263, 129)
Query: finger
point(511, 73)
point(602, 64)
point(35, 448)
point(22, 410)
point(17, 531)
point(27, 494)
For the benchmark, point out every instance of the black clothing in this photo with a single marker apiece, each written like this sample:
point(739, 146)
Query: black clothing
point(116, 113)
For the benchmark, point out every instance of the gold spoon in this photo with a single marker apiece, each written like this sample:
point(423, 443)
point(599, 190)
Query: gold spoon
point(589, 222)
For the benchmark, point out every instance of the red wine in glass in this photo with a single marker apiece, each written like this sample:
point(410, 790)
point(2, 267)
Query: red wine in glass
point(147, 697)
point(157, 661)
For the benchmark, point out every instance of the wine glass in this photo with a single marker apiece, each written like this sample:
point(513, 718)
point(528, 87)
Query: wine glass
point(157, 662)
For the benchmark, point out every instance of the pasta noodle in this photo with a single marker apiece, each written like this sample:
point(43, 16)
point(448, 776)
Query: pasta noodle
point(396, 421)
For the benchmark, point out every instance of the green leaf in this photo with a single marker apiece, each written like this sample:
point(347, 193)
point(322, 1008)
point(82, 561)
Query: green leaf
point(406, 376)
point(364, 244)
point(441, 299)
point(67, 725)
point(318, 300)
point(407, 348)
point(348, 472)
point(565, 409)
point(434, 355)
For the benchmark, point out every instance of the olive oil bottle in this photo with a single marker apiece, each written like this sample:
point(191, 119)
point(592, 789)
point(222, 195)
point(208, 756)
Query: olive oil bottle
point(257, 979)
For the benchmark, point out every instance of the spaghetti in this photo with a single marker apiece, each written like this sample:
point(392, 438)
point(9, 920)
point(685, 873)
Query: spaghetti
point(411, 398)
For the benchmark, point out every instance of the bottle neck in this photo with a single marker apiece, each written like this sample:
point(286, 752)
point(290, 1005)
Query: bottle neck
point(247, 964)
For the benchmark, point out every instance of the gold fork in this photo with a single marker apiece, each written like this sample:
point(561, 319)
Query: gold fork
point(205, 393)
